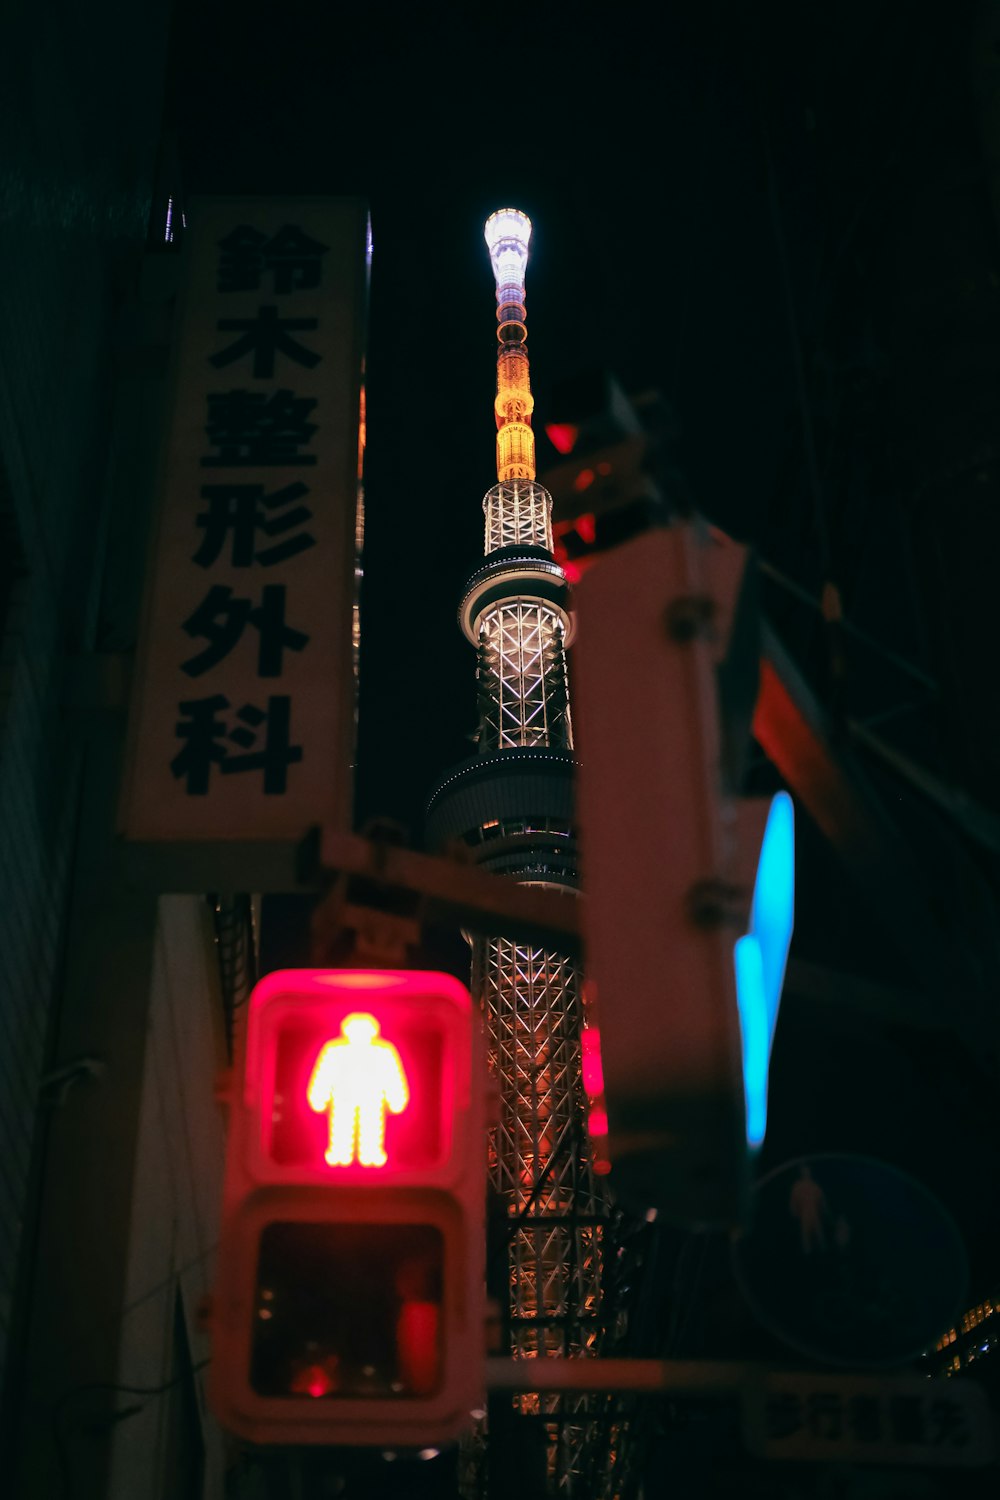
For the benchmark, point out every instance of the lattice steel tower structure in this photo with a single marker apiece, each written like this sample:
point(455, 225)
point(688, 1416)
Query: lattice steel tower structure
point(513, 804)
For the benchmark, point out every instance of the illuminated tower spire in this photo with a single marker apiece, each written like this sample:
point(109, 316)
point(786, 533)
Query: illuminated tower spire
point(507, 235)
point(513, 805)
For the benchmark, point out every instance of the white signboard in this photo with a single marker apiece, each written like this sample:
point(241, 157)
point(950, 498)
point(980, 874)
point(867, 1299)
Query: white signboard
point(867, 1419)
point(243, 711)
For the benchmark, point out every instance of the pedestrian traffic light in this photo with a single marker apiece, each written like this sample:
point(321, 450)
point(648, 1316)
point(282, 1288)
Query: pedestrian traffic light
point(688, 885)
point(349, 1304)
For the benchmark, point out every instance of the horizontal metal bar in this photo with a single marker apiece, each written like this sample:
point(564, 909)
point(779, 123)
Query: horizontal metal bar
point(553, 1320)
point(458, 892)
point(806, 596)
point(543, 1220)
point(692, 1377)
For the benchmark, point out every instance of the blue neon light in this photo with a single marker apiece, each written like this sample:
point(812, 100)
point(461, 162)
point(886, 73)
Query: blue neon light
point(759, 958)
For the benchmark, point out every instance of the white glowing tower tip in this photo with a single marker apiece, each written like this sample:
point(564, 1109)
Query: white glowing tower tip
point(508, 224)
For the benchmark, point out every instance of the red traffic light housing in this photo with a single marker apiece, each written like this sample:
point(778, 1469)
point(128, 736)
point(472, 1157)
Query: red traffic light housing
point(349, 1305)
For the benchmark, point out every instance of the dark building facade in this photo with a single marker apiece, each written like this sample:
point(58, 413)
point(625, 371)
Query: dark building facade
point(110, 1001)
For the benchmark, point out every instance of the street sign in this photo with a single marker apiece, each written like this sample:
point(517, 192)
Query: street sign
point(242, 721)
point(850, 1261)
point(868, 1419)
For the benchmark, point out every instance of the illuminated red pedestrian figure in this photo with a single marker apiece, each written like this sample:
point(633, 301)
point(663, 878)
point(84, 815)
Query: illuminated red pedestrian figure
point(356, 1079)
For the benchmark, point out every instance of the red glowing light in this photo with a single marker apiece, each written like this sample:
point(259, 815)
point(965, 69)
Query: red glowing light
point(562, 436)
point(356, 1079)
point(602, 1167)
point(593, 1070)
point(586, 528)
point(298, 1015)
point(597, 1122)
point(584, 480)
point(316, 1380)
point(418, 1338)
point(573, 572)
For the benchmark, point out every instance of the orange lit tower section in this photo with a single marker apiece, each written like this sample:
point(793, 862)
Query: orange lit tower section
point(513, 804)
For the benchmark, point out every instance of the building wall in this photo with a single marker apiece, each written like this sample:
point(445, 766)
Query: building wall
point(36, 820)
point(111, 1026)
point(169, 1446)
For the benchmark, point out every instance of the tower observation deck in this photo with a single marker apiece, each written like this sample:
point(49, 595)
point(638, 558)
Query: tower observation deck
point(512, 803)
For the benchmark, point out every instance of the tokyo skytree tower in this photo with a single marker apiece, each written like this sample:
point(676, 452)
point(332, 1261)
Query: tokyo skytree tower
point(513, 805)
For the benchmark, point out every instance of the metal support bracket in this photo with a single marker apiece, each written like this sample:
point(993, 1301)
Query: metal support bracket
point(384, 894)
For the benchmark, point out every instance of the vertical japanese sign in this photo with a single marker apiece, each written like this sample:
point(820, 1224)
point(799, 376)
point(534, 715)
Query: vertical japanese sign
point(243, 711)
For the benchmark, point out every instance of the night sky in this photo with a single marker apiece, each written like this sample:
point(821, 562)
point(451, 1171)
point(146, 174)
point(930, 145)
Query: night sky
point(638, 164)
point(687, 186)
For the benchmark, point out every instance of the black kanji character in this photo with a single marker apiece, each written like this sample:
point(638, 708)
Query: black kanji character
point(249, 427)
point(235, 511)
point(826, 1415)
point(220, 619)
point(906, 1418)
point(782, 1414)
point(268, 618)
point(292, 258)
point(278, 525)
point(278, 752)
point(265, 336)
point(242, 260)
point(947, 1422)
point(865, 1417)
point(200, 730)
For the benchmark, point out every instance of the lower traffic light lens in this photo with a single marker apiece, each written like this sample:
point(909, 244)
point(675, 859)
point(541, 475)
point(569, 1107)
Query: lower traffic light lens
point(349, 1310)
